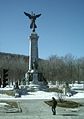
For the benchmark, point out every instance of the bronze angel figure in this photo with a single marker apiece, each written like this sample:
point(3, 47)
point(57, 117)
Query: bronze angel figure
point(32, 17)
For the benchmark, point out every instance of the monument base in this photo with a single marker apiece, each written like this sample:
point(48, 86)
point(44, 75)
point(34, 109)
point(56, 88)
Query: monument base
point(36, 81)
point(37, 87)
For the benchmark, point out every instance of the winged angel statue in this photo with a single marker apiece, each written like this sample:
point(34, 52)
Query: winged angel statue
point(32, 17)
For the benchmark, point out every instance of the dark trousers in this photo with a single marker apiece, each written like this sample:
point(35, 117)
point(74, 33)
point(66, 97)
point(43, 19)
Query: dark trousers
point(54, 110)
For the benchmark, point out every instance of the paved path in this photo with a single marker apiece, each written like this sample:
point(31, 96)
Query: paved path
point(37, 109)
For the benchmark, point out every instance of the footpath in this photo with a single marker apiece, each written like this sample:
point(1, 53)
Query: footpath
point(37, 109)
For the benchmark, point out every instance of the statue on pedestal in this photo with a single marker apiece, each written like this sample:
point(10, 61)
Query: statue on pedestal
point(35, 65)
point(32, 17)
point(35, 79)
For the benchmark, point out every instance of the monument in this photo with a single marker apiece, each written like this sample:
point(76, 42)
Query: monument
point(33, 76)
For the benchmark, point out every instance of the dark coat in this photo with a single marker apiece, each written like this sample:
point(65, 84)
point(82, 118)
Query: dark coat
point(54, 103)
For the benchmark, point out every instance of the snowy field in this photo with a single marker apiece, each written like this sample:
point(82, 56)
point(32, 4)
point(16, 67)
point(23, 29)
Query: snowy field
point(45, 95)
point(35, 109)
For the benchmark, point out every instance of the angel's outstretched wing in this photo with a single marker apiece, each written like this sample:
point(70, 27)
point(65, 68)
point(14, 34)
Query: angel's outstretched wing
point(38, 15)
point(29, 15)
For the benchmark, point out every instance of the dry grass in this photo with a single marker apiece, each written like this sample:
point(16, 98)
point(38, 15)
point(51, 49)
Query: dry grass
point(65, 104)
point(11, 104)
point(55, 90)
point(9, 92)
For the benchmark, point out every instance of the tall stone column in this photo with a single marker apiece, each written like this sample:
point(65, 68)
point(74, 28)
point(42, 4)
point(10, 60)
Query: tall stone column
point(33, 50)
point(35, 79)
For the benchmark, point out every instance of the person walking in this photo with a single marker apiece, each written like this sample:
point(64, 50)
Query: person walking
point(54, 104)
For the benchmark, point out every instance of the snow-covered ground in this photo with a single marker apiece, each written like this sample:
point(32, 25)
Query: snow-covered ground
point(41, 95)
point(44, 95)
point(2, 104)
point(76, 86)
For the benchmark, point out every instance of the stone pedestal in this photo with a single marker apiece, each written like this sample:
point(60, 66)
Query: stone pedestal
point(36, 82)
point(35, 78)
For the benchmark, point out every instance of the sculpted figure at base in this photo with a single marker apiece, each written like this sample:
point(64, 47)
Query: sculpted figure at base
point(32, 17)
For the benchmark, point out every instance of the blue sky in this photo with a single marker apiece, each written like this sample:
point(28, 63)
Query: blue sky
point(60, 27)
